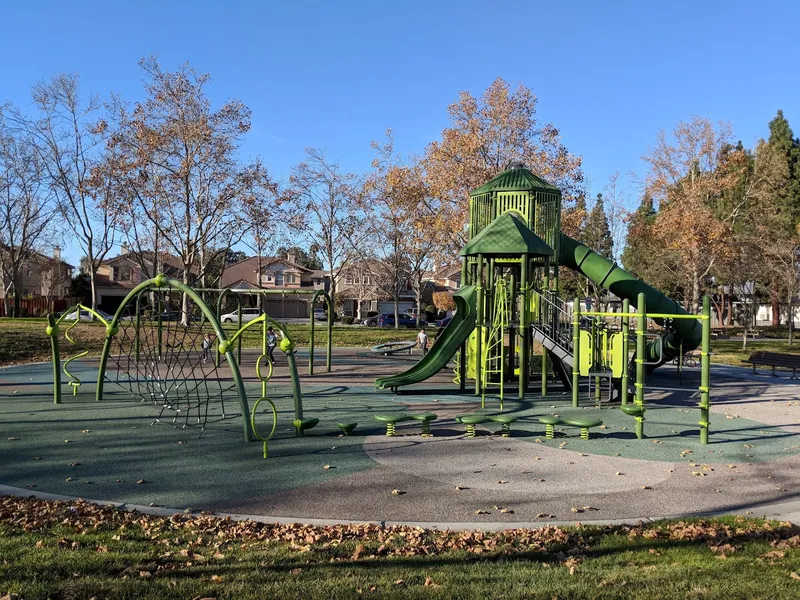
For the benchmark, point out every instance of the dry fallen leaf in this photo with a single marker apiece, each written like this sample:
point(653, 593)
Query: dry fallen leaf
point(141, 481)
point(429, 582)
point(397, 493)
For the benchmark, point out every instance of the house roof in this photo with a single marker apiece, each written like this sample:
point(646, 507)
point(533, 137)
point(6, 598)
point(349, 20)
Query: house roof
point(43, 257)
point(136, 257)
point(507, 234)
point(515, 178)
point(245, 270)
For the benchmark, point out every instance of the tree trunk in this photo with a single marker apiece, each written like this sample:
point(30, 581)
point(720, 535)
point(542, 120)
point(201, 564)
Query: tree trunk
point(93, 283)
point(790, 317)
point(396, 310)
point(775, 301)
point(15, 283)
point(695, 291)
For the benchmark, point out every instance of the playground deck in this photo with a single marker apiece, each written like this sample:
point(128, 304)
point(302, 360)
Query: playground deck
point(113, 451)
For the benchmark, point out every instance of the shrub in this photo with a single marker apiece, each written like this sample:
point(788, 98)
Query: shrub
point(347, 320)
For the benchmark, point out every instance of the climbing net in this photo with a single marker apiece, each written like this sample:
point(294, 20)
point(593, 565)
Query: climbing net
point(173, 365)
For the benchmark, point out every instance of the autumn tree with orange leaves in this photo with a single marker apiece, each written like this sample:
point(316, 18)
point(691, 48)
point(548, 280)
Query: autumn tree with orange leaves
point(689, 170)
point(484, 136)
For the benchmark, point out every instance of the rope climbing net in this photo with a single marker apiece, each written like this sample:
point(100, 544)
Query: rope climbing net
point(167, 358)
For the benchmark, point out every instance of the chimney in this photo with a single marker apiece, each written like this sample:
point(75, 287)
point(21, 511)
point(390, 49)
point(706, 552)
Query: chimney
point(123, 249)
point(57, 254)
point(291, 257)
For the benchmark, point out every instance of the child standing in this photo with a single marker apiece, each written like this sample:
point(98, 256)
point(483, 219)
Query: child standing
point(206, 346)
point(422, 341)
point(272, 341)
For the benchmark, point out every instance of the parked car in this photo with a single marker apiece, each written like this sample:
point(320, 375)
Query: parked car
point(444, 322)
point(371, 320)
point(248, 314)
point(404, 320)
point(320, 314)
point(87, 316)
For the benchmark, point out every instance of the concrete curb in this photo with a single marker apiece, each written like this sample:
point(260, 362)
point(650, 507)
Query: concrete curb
point(783, 511)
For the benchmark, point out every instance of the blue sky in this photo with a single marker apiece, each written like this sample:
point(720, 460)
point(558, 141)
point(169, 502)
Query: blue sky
point(336, 75)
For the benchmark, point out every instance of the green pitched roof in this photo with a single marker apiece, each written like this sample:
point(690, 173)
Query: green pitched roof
point(515, 178)
point(507, 234)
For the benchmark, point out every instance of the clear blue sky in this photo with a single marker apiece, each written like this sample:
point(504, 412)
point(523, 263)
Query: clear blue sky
point(338, 74)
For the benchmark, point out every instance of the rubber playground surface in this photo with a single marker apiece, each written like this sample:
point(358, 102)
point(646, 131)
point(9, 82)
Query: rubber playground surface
point(114, 451)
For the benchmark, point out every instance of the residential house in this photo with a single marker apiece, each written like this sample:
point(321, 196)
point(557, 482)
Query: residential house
point(117, 276)
point(279, 274)
point(43, 278)
point(360, 290)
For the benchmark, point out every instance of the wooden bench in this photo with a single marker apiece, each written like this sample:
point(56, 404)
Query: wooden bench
point(775, 360)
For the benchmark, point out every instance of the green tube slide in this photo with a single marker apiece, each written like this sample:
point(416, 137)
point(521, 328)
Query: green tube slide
point(623, 284)
point(445, 346)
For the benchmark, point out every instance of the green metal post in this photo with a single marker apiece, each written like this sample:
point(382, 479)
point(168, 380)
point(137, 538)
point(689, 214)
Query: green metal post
point(523, 327)
point(576, 351)
point(512, 331)
point(705, 372)
point(239, 347)
point(52, 331)
point(625, 333)
point(641, 353)
point(596, 352)
point(298, 399)
point(329, 302)
point(311, 343)
point(160, 305)
point(137, 327)
point(479, 324)
point(544, 310)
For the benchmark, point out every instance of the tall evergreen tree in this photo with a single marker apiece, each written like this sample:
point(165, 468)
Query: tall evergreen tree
point(597, 233)
point(782, 139)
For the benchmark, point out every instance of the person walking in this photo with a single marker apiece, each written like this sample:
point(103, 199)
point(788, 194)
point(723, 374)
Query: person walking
point(422, 341)
point(206, 346)
point(272, 341)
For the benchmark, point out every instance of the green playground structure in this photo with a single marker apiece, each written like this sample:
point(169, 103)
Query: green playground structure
point(509, 306)
point(176, 366)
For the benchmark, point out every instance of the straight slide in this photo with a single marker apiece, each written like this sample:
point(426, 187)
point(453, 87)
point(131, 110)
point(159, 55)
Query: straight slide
point(445, 346)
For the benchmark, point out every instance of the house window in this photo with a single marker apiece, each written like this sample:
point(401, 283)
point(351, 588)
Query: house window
point(124, 274)
point(366, 279)
point(25, 292)
point(348, 280)
point(279, 279)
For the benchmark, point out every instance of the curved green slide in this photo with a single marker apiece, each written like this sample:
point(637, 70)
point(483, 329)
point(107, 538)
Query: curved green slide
point(445, 346)
point(623, 284)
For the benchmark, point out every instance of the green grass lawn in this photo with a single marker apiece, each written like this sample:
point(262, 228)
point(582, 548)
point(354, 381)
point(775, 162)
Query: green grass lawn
point(78, 550)
point(25, 340)
point(731, 353)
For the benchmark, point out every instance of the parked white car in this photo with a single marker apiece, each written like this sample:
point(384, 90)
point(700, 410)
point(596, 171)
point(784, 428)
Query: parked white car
point(248, 314)
point(87, 316)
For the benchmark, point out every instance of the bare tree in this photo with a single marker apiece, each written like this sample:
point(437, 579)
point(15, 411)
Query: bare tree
point(25, 204)
point(178, 161)
point(69, 134)
point(325, 210)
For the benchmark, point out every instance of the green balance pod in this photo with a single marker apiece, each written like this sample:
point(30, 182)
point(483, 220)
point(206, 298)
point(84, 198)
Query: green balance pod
point(549, 422)
point(505, 421)
point(470, 421)
point(584, 424)
point(391, 419)
point(425, 419)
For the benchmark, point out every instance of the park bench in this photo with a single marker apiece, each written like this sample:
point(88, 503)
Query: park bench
point(391, 420)
point(775, 360)
point(475, 419)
